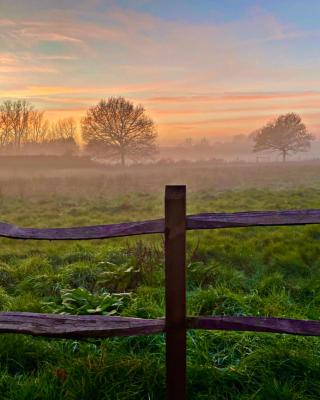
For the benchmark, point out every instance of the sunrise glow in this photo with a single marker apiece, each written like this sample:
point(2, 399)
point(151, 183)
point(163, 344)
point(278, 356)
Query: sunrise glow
point(217, 71)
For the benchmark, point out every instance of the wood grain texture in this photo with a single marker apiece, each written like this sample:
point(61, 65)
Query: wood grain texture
point(256, 324)
point(98, 326)
point(252, 218)
point(194, 222)
point(175, 291)
point(83, 233)
point(77, 326)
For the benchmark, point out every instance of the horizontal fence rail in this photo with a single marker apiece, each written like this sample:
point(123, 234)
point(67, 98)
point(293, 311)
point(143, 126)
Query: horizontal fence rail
point(99, 326)
point(256, 324)
point(83, 233)
point(77, 326)
point(252, 218)
point(193, 222)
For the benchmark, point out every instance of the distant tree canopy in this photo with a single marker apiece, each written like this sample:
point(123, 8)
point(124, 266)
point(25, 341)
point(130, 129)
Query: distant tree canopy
point(118, 128)
point(63, 129)
point(62, 135)
point(286, 134)
point(25, 129)
point(15, 122)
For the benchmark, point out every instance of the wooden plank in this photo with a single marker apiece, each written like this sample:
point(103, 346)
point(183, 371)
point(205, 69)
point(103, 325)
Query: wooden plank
point(77, 326)
point(194, 222)
point(256, 324)
point(175, 289)
point(83, 233)
point(80, 326)
point(252, 218)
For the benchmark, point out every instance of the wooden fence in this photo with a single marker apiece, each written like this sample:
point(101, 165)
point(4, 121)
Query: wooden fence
point(176, 323)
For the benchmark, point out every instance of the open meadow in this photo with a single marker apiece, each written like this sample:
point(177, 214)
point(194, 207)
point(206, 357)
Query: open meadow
point(271, 271)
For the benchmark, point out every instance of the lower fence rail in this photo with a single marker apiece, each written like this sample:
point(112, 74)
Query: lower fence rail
point(77, 326)
point(100, 326)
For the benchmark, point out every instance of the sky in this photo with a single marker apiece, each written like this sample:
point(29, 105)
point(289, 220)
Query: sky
point(201, 68)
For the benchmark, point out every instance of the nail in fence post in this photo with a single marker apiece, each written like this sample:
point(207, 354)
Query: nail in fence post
point(175, 286)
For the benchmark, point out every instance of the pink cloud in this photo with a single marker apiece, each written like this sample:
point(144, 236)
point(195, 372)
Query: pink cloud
point(201, 78)
point(19, 69)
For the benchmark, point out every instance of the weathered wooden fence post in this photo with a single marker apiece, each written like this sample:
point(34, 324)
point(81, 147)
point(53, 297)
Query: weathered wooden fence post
point(175, 285)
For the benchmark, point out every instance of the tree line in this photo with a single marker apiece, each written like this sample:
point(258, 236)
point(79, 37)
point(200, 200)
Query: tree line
point(22, 128)
point(114, 128)
point(118, 129)
point(286, 135)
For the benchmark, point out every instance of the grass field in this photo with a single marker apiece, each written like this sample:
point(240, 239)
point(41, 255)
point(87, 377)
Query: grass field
point(256, 271)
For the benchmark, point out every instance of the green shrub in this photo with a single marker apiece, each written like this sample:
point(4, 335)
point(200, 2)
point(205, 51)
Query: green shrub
point(43, 285)
point(81, 301)
point(26, 302)
point(215, 301)
point(148, 302)
point(214, 274)
point(31, 266)
point(7, 275)
point(80, 274)
point(119, 278)
point(271, 282)
point(5, 300)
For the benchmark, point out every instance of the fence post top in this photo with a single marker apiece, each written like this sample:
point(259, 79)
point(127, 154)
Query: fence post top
point(175, 191)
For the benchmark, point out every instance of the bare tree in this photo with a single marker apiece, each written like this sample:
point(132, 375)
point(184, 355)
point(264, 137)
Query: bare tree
point(38, 127)
point(62, 137)
point(117, 127)
point(5, 127)
point(65, 128)
point(14, 118)
point(286, 134)
point(22, 126)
